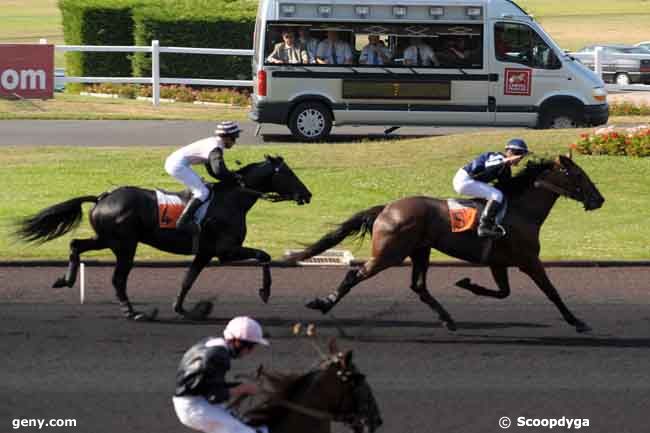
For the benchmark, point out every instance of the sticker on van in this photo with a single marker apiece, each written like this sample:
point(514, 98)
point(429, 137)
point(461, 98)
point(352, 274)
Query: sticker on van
point(518, 81)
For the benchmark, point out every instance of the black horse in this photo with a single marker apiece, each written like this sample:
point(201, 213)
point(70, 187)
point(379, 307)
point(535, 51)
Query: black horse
point(127, 215)
point(411, 226)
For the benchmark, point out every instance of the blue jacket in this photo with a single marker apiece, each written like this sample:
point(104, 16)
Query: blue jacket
point(488, 166)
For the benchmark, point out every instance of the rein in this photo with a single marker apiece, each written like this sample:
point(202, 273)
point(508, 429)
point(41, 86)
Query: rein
point(551, 187)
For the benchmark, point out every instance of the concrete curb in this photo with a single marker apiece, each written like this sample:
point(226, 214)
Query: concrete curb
point(280, 264)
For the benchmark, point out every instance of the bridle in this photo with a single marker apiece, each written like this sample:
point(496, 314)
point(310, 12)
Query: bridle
point(541, 183)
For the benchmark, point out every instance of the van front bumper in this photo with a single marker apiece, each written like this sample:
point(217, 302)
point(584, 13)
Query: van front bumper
point(596, 114)
point(270, 112)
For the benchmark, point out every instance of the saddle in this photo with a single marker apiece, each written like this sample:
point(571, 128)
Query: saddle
point(464, 214)
point(171, 205)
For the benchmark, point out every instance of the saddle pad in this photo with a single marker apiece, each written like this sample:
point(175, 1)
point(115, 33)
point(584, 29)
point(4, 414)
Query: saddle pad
point(170, 207)
point(462, 216)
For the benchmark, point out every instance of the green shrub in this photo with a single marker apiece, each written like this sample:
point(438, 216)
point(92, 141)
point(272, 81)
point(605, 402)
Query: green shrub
point(189, 24)
point(98, 22)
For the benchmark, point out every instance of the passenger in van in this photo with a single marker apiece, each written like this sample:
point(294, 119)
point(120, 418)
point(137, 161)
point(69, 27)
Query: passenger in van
point(473, 180)
point(501, 46)
point(333, 51)
point(308, 43)
point(420, 54)
point(375, 53)
point(456, 53)
point(288, 51)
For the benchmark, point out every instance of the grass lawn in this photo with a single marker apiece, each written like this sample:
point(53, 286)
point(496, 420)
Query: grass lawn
point(344, 178)
point(66, 106)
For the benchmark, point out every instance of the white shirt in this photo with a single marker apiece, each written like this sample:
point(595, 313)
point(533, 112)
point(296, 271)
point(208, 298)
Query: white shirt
point(197, 152)
point(342, 49)
point(371, 57)
point(427, 57)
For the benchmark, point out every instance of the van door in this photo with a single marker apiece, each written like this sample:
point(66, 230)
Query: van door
point(527, 71)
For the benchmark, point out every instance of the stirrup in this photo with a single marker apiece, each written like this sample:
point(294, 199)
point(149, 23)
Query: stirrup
point(495, 232)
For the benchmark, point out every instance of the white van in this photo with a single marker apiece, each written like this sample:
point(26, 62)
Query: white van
point(419, 62)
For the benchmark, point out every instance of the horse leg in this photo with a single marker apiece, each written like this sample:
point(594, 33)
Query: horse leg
point(201, 309)
point(245, 253)
point(352, 278)
point(535, 270)
point(420, 259)
point(500, 275)
point(77, 247)
point(124, 254)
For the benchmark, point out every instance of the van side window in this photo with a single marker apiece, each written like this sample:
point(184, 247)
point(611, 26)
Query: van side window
point(518, 43)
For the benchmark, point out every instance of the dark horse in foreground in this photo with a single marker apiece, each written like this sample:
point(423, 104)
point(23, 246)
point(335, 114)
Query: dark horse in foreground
point(127, 215)
point(410, 227)
point(335, 391)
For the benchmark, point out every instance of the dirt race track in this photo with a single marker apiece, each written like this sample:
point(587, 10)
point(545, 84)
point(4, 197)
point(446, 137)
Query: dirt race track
point(512, 357)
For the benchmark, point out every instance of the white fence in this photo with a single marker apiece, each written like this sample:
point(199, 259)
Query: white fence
point(155, 80)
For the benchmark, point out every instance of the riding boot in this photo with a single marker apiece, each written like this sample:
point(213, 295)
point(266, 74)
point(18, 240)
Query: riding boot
point(186, 220)
point(487, 226)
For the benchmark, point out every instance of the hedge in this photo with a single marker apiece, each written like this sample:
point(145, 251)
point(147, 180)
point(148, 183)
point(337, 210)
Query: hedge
point(98, 22)
point(193, 24)
point(186, 23)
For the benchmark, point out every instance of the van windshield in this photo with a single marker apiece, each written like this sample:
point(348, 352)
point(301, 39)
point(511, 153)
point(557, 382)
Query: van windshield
point(375, 44)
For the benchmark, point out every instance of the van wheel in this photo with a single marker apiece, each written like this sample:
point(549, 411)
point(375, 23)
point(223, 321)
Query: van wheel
point(560, 118)
point(623, 79)
point(310, 121)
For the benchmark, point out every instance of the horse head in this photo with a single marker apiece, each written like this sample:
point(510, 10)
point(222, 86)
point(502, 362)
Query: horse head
point(567, 179)
point(274, 176)
point(333, 391)
point(352, 400)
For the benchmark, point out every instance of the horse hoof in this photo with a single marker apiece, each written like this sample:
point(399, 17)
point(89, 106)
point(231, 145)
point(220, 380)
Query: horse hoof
point(582, 328)
point(61, 282)
point(200, 311)
point(319, 304)
point(138, 316)
point(450, 325)
point(265, 294)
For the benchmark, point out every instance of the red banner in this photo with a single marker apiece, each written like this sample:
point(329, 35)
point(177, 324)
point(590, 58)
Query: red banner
point(27, 71)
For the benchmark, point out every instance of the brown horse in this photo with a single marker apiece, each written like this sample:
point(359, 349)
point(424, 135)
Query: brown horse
point(335, 391)
point(411, 226)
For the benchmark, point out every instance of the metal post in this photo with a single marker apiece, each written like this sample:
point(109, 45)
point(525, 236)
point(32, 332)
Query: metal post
point(598, 66)
point(155, 71)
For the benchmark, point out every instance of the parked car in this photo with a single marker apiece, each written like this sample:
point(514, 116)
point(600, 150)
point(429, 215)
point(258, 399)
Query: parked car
point(621, 64)
point(645, 44)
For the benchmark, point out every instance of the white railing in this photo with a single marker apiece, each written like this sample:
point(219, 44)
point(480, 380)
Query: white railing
point(155, 80)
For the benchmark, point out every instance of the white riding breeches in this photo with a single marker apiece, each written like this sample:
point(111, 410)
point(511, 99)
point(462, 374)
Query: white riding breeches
point(189, 178)
point(465, 185)
point(195, 412)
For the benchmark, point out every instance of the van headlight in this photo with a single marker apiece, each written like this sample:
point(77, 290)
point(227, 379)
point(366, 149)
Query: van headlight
point(599, 94)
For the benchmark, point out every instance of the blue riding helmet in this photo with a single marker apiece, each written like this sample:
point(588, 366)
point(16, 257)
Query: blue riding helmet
point(518, 145)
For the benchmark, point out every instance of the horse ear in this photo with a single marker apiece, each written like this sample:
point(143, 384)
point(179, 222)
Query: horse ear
point(267, 156)
point(347, 358)
point(334, 349)
point(564, 160)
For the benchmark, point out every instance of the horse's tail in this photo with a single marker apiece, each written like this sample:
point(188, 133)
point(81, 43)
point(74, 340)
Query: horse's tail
point(359, 224)
point(54, 221)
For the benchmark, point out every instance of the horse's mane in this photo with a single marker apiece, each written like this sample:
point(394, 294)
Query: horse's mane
point(525, 178)
point(284, 387)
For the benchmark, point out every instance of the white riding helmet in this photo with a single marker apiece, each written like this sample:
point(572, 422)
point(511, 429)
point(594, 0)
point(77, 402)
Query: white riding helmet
point(244, 328)
point(227, 128)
